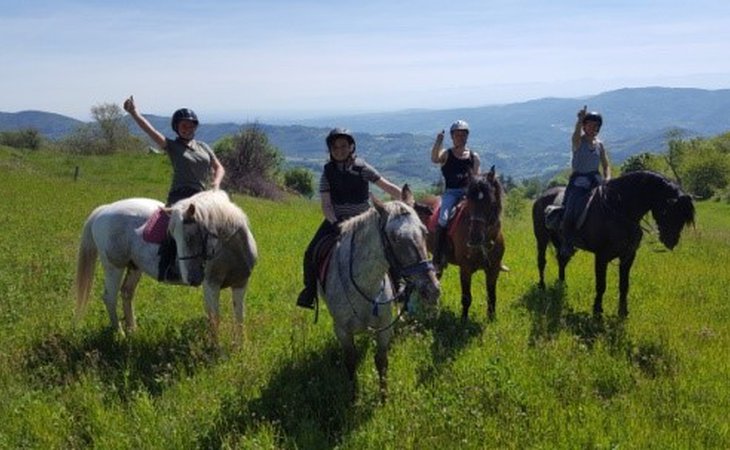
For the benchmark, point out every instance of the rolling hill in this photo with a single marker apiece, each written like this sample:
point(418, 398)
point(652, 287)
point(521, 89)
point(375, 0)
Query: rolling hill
point(523, 139)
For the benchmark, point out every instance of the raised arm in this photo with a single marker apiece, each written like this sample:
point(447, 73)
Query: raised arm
point(437, 151)
point(144, 124)
point(577, 132)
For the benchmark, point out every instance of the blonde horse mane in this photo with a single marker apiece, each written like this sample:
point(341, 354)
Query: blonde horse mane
point(215, 212)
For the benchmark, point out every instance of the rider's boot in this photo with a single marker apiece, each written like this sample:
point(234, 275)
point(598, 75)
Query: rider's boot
point(308, 295)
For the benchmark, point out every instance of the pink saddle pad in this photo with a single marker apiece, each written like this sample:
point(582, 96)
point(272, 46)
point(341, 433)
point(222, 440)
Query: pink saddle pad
point(155, 229)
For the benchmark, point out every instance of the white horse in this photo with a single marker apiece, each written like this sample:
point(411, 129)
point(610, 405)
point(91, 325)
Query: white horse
point(358, 293)
point(214, 244)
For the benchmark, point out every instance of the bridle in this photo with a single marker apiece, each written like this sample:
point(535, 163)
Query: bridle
point(204, 236)
point(489, 219)
point(395, 265)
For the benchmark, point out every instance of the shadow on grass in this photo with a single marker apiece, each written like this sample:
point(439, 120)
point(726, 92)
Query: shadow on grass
point(125, 364)
point(551, 314)
point(309, 401)
point(450, 336)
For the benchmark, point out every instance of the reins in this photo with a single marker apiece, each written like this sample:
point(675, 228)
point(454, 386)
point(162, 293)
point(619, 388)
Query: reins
point(393, 264)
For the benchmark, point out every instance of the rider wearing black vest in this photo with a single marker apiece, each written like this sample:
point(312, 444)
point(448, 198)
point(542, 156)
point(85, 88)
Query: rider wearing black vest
point(344, 190)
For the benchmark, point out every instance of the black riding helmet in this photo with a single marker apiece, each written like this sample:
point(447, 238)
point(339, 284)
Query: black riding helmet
point(593, 117)
point(340, 132)
point(183, 114)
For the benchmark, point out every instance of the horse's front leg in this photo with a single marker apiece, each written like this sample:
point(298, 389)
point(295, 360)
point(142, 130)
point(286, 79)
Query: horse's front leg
point(492, 273)
point(211, 294)
point(347, 341)
point(465, 277)
point(131, 279)
point(624, 271)
point(381, 360)
point(600, 265)
point(239, 308)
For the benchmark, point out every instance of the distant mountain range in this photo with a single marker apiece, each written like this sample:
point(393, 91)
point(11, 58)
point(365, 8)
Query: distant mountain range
point(523, 139)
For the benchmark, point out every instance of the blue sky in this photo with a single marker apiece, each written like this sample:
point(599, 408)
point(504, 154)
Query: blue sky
point(262, 60)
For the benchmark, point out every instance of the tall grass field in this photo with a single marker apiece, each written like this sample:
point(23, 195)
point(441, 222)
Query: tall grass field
point(544, 374)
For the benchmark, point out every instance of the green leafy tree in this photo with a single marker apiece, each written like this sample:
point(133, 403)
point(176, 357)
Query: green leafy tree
point(108, 133)
point(253, 165)
point(300, 180)
point(706, 170)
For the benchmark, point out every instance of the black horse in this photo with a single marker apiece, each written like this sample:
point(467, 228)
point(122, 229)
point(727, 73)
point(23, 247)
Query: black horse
point(611, 228)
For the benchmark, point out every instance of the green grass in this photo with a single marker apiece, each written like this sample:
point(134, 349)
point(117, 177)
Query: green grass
point(543, 375)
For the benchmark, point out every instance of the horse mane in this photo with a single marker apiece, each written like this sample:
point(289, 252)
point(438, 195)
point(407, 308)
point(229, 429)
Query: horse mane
point(216, 213)
point(652, 184)
point(395, 207)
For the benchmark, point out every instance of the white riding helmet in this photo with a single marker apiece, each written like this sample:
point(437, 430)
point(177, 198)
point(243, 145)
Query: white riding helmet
point(460, 125)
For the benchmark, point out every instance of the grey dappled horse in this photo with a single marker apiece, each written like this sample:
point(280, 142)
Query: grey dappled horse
point(359, 294)
point(214, 244)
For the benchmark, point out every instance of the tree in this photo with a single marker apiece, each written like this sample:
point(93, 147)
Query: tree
point(675, 152)
point(113, 131)
point(641, 161)
point(253, 165)
point(108, 133)
point(706, 170)
point(300, 180)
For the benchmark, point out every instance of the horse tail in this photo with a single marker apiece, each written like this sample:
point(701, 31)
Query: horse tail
point(85, 267)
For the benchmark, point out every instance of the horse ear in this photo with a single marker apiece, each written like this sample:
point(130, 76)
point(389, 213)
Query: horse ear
point(378, 204)
point(490, 174)
point(190, 212)
point(407, 195)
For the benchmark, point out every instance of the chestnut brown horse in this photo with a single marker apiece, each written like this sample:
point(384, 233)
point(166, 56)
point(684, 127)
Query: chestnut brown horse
point(476, 241)
point(611, 228)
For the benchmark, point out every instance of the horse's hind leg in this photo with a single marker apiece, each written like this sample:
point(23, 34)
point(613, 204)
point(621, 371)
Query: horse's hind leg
point(211, 295)
point(131, 279)
point(542, 244)
point(112, 282)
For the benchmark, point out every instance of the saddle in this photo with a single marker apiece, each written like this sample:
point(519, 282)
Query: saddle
point(155, 229)
point(433, 219)
point(554, 212)
point(322, 257)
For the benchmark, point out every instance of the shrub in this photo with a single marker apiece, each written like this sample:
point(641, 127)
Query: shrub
point(28, 138)
point(252, 164)
point(300, 180)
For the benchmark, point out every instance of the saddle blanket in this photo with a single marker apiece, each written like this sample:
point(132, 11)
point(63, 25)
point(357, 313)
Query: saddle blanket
point(433, 219)
point(155, 229)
